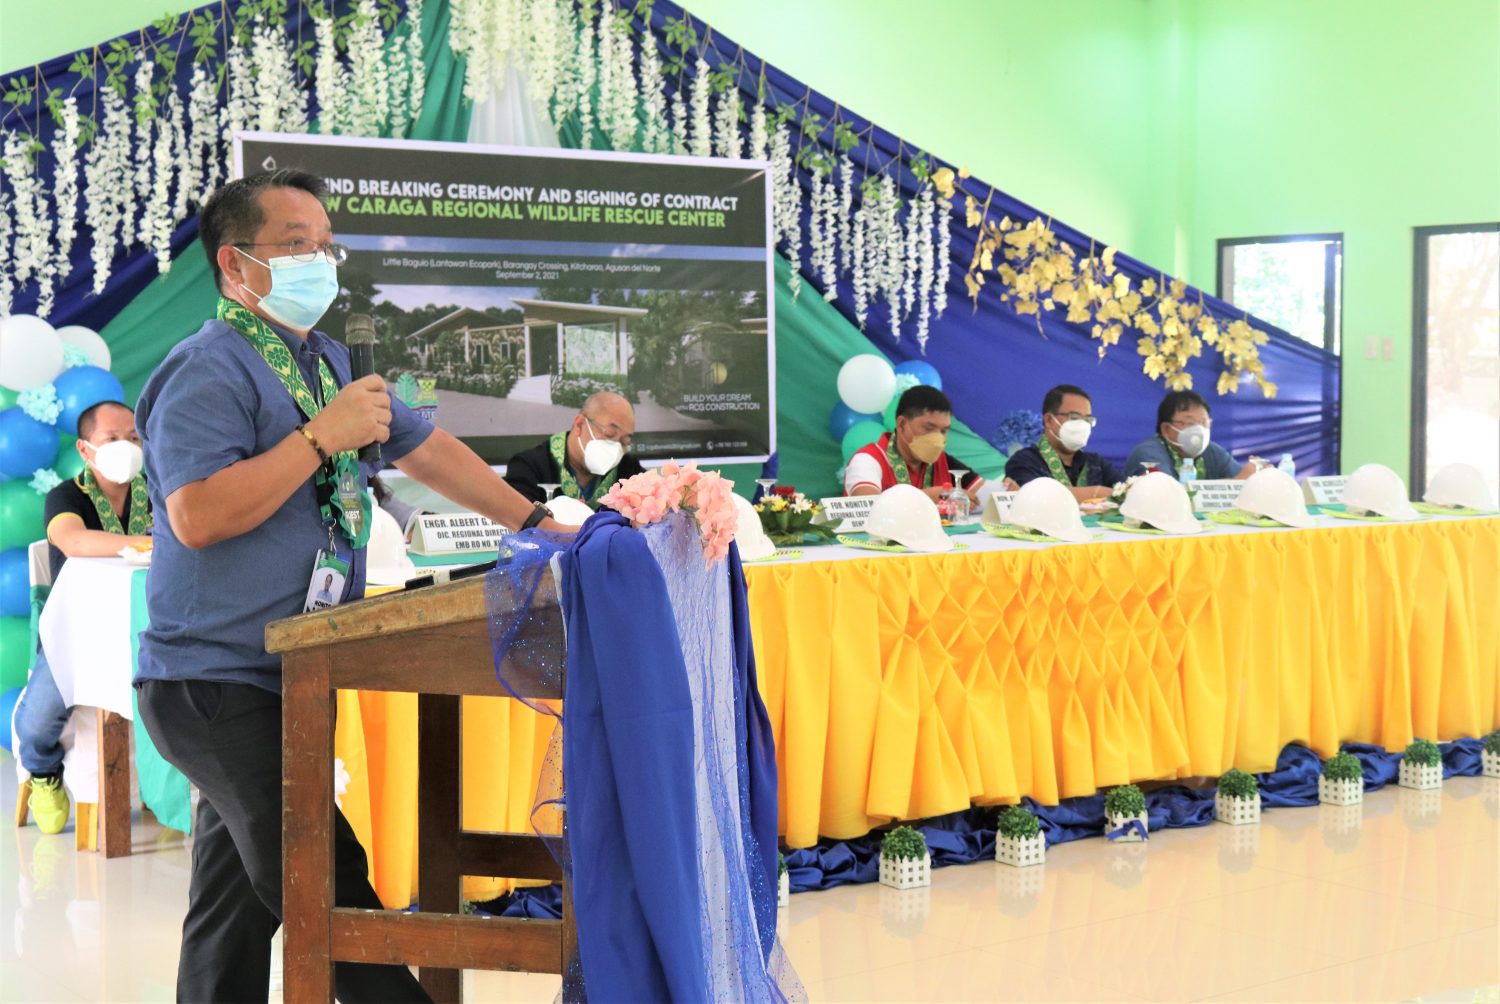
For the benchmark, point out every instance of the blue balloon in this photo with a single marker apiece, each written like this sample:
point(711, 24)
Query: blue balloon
point(82, 387)
point(15, 583)
point(25, 444)
point(926, 373)
point(845, 418)
point(8, 701)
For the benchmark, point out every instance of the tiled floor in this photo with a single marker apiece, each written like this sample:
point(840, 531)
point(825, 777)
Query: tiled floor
point(1397, 901)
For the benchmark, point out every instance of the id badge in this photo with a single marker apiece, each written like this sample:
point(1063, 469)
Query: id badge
point(326, 588)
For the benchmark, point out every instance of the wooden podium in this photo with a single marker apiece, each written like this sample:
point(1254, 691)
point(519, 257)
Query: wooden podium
point(433, 642)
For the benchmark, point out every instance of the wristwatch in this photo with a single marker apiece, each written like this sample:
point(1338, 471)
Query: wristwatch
point(539, 512)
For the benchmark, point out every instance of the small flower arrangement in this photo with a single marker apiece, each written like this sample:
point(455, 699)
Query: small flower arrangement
point(649, 496)
point(1235, 783)
point(1343, 767)
point(1120, 490)
point(788, 517)
point(1423, 753)
point(1126, 801)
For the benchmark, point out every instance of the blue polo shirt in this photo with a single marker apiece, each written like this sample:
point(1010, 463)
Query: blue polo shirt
point(1088, 470)
point(211, 403)
point(1218, 465)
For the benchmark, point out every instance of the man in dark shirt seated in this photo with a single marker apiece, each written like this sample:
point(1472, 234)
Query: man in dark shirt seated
point(1184, 426)
point(1067, 421)
point(93, 515)
point(586, 460)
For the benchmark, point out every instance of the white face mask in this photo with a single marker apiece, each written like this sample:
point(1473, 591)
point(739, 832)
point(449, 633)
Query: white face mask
point(119, 461)
point(600, 456)
point(1193, 440)
point(1074, 434)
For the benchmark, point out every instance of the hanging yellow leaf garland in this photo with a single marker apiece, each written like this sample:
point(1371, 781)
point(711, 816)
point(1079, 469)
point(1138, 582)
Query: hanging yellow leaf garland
point(1039, 271)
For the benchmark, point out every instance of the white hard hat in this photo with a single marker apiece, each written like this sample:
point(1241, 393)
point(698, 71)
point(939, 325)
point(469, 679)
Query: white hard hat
point(386, 563)
point(749, 534)
point(1378, 489)
point(569, 511)
point(1159, 501)
point(1459, 485)
point(1045, 506)
point(906, 515)
point(1276, 495)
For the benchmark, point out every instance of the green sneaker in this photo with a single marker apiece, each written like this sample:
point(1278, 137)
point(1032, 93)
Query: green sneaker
point(49, 804)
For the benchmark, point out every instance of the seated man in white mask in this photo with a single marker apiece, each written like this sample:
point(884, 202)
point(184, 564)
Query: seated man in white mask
point(1184, 431)
point(1067, 422)
point(586, 460)
point(94, 515)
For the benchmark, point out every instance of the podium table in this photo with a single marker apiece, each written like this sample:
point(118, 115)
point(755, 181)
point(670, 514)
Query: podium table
point(433, 642)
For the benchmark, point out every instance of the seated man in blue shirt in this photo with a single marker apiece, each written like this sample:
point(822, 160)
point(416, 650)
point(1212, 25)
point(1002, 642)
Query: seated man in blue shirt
point(1183, 431)
point(251, 431)
point(1067, 421)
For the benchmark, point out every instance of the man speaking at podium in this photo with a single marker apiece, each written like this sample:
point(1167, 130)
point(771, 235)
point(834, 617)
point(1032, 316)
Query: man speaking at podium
point(252, 429)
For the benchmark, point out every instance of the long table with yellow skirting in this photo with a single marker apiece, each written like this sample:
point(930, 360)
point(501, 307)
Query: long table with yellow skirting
point(908, 686)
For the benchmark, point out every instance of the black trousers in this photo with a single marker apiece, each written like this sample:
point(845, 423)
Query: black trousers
point(226, 738)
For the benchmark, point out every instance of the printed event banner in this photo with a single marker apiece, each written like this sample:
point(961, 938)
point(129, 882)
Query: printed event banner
point(509, 284)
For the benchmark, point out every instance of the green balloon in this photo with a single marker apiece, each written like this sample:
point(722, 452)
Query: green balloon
point(890, 414)
point(15, 652)
point(21, 514)
point(8, 398)
point(860, 435)
point(68, 463)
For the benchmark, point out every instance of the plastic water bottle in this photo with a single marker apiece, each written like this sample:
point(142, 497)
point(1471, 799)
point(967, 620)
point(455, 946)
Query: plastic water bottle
point(1287, 465)
point(1188, 473)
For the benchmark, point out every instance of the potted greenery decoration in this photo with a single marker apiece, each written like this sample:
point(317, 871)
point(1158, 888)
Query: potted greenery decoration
point(1125, 814)
point(904, 861)
point(1489, 753)
point(1421, 766)
point(783, 883)
point(1018, 838)
point(1343, 781)
point(1238, 799)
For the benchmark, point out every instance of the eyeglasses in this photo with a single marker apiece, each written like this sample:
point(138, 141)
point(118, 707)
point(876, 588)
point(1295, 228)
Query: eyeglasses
point(611, 433)
point(1073, 416)
point(1207, 423)
point(301, 250)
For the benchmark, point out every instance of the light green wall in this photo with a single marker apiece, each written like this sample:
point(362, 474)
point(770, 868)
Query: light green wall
point(32, 31)
point(1164, 125)
point(1156, 125)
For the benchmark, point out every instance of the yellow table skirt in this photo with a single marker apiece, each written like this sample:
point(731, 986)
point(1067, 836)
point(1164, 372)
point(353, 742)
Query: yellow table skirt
point(902, 688)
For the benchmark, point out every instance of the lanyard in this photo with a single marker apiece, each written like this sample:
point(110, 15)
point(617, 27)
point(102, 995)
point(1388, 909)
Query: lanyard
point(341, 503)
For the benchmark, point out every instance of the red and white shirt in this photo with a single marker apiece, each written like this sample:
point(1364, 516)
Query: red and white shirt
point(871, 466)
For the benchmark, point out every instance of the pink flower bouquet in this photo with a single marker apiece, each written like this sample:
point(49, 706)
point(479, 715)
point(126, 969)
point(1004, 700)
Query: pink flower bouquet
point(649, 496)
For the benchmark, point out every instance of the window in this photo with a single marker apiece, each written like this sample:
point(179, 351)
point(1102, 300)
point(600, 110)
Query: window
point(1294, 282)
point(1455, 393)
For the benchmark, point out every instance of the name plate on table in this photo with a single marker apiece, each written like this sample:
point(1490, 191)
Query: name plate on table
point(455, 533)
point(849, 512)
point(1209, 496)
point(997, 508)
point(1325, 490)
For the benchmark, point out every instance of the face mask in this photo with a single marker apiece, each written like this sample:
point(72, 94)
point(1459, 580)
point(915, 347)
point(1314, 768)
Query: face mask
point(601, 456)
point(1193, 440)
point(1074, 434)
point(119, 461)
point(929, 447)
point(301, 291)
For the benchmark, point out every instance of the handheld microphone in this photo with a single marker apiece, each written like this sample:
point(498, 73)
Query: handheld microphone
point(359, 335)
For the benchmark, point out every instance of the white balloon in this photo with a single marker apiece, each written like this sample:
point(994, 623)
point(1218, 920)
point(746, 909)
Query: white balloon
point(89, 341)
point(867, 383)
point(31, 354)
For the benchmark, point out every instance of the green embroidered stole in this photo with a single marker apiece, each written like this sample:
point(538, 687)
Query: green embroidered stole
point(340, 499)
point(109, 520)
point(903, 475)
point(558, 444)
point(1173, 451)
point(1055, 464)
